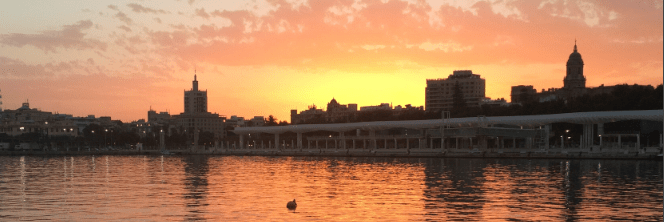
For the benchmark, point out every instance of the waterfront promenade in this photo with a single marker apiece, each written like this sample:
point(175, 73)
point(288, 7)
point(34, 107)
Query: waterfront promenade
point(474, 137)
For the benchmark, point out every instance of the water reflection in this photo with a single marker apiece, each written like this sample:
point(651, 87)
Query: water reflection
point(196, 182)
point(219, 188)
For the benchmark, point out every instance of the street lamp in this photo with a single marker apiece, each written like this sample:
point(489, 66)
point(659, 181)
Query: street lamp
point(105, 132)
point(562, 142)
point(93, 136)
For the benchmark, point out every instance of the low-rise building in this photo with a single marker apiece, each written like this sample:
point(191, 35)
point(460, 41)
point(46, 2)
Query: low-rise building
point(30, 120)
point(256, 121)
point(521, 94)
point(382, 106)
point(335, 112)
point(340, 113)
point(494, 102)
point(307, 116)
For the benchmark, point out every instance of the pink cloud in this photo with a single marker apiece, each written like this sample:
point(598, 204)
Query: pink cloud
point(142, 9)
point(125, 28)
point(123, 17)
point(70, 37)
point(201, 13)
point(11, 68)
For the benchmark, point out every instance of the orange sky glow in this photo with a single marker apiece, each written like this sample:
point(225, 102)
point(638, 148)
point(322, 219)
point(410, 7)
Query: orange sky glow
point(260, 58)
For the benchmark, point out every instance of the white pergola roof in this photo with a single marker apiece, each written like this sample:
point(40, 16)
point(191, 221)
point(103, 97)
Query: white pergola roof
point(527, 121)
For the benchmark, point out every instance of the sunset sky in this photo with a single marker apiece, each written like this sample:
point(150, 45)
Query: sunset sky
point(260, 58)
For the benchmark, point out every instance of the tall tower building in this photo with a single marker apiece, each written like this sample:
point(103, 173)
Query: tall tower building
point(195, 101)
point(196, 118)
point(574, 78)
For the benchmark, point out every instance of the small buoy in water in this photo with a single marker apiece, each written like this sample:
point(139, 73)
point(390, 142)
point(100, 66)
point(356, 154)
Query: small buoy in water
point(291, 205)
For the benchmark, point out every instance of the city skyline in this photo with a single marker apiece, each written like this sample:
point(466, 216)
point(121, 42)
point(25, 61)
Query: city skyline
point(120, 58)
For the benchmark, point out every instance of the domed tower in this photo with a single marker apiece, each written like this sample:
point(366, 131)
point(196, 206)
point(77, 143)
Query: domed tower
point(574, 77)
point(333, 105)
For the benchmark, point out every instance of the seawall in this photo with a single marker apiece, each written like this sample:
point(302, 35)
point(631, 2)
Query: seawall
point(654, 153)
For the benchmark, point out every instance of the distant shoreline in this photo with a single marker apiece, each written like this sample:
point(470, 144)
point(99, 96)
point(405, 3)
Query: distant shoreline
point(651, 153)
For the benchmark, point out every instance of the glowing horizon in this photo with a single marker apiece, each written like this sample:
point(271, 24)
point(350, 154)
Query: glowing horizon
point(265, 58)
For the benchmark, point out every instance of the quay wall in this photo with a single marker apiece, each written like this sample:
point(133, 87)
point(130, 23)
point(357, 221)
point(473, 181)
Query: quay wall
point(654, 153)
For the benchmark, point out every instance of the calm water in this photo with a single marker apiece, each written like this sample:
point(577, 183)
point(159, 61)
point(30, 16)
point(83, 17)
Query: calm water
point(216, 188)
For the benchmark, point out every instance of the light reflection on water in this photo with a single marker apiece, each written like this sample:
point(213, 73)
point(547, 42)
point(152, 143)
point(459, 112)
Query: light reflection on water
point(176, 188)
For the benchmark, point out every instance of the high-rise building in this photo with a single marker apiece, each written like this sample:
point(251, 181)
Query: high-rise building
point(195, 101)
point(440, 92)
point(196, 117)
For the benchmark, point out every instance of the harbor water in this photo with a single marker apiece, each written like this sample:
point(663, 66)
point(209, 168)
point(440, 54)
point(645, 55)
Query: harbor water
point(255, 188)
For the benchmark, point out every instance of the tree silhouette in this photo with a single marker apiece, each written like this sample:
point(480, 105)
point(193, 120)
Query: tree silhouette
point(271, 121)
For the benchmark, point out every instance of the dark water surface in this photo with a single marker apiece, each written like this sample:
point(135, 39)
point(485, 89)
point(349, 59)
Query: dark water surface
point(230, 188)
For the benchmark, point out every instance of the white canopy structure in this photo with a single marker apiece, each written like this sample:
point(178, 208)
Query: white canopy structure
point(527, 121)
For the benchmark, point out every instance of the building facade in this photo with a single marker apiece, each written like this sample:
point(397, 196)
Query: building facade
point(158, 117)
point(522, 94)
point(439, 93)
point(195, 101)
point(307, 116)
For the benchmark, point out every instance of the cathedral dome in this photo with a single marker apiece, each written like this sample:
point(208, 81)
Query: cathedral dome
point(575, 58)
